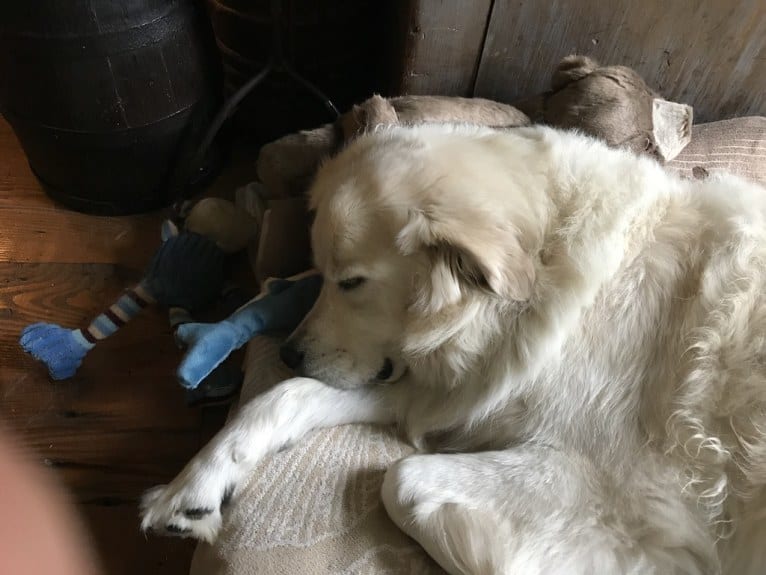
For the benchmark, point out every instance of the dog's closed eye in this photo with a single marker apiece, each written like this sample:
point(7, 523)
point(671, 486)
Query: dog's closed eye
point(351, 283)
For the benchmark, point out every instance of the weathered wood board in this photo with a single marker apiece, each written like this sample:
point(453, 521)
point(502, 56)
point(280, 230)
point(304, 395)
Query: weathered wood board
point(710, 54)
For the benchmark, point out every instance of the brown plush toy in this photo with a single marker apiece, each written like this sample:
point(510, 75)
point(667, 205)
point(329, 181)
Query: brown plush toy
point(409, 110)
point(610, 102)
point(286, 166)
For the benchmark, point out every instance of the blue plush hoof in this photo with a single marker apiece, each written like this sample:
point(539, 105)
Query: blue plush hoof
point(60, 349)
point(209, 344)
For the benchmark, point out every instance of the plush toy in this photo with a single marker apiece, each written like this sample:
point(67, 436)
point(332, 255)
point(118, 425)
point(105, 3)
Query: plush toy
point(612, 103)
point(185, 275)
point(280, 307)
point(286, 166)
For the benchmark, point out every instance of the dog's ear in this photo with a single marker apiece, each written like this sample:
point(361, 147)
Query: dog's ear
point(467, 250)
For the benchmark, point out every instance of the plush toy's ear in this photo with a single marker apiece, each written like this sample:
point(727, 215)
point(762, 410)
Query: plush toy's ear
point(373, 112)
point(169, 230)
point(467, 252)
point(571, 69)
point(671, 127)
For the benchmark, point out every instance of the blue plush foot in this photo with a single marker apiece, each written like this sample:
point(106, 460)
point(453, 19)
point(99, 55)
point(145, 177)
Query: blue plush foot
point(208, 345)
point(281, 307)
point(60, 349)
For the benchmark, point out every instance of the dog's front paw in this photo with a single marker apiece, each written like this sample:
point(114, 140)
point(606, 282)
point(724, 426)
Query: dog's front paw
point(188, 507)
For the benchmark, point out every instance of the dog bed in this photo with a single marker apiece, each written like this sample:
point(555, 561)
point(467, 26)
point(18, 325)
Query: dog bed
point(737, 146)
point(315, 508)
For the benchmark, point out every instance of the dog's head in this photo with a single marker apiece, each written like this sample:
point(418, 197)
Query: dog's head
point(408, 237)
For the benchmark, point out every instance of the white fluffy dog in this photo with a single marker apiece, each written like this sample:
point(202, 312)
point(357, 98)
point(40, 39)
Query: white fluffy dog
point(580, 335)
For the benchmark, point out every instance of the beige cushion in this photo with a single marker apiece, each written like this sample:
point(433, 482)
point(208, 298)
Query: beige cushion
point(314, 508)
point(737, 146)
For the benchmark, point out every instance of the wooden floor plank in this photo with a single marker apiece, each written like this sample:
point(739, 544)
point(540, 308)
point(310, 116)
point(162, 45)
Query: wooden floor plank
point(124, 398)
point(121, 424)
point(125, 551)
point(35, 229)
point(47, 235)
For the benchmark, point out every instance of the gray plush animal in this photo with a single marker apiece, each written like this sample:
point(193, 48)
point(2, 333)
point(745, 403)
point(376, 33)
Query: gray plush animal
point(609, 102)
point(612, 103)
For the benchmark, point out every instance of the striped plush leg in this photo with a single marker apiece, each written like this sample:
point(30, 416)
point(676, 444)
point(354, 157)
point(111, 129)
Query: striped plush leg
point(119, 313)
point(62, 349)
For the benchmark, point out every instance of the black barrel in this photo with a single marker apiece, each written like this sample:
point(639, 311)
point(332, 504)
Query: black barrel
point(107, 97)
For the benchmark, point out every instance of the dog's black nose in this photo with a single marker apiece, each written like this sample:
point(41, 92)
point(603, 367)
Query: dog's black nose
point(290, 355)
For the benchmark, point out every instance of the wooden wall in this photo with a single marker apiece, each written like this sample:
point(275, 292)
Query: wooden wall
point(710, 54)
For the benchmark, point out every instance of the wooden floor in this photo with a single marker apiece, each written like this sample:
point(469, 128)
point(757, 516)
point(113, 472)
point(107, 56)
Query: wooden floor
point(121, 424)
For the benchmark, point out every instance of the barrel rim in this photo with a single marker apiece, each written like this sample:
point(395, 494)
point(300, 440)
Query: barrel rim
point(168, 122)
